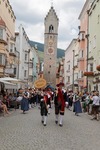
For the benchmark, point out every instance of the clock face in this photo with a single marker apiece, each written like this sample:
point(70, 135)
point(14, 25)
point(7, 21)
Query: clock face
point(50, 50)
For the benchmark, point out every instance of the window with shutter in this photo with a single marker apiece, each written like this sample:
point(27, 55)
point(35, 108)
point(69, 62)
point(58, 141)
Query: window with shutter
point(1, 33)
point(2, 59)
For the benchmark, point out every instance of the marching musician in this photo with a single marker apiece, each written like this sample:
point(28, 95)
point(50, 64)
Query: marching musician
point(43, 107)
point(59, 104)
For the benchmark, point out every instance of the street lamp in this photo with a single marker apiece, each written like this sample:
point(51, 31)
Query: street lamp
point(73, 70)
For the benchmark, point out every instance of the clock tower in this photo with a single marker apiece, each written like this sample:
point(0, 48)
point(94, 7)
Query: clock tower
point(50, 46)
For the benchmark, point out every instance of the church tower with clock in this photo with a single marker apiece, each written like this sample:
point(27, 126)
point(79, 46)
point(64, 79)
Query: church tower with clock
point(50, 46)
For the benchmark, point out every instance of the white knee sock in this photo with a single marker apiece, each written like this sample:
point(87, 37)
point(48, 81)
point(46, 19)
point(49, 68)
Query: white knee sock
point(45, 119)
point(61, 119)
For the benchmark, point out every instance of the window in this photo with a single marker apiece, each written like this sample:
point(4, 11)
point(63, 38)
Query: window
point(81, 36)
point(51, 28)
point(11, 47)
point(25, 56)
point(1, 33)
point(30, 65)
point(81, 54)
point(25, 73)
point(91, 67)
point(14, 71)
point(68, 78)
point(80, 74)
point(94, 41)
point(2, 59)
point(68, 67)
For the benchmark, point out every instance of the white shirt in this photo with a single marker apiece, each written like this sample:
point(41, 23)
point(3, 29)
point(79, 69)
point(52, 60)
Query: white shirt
point(96, 100)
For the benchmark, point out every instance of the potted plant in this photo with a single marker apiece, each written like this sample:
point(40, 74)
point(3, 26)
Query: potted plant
point(98, 67)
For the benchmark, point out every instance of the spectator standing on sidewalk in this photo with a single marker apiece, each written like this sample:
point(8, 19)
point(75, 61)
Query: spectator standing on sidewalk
point(95, 106)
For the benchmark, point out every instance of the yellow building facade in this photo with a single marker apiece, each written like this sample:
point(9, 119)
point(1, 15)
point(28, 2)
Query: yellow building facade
point(7, 39)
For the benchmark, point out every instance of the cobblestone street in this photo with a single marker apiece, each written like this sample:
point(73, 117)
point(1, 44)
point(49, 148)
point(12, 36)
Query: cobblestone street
point(26, 132)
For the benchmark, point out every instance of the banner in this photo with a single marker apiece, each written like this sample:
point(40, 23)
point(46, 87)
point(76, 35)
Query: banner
point(40, 83)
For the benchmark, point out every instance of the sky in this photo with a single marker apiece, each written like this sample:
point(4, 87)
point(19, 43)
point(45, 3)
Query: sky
point(31, 14)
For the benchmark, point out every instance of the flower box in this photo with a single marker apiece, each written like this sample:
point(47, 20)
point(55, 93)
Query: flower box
point(98, 68)
point(89, 73)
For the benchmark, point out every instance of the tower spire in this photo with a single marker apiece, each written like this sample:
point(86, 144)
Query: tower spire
point(51, 3)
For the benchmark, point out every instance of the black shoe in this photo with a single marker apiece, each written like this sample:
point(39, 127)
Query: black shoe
point(56, 122)
point(44, 124)
point(60, 125)
point(76, 114)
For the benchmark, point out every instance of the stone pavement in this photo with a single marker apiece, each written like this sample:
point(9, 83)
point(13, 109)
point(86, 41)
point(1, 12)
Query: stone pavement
point(26, 132)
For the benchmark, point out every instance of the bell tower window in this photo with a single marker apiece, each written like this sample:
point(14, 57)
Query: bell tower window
point(51, 29)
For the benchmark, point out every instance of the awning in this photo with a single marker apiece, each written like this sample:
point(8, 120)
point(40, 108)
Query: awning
point(5, 82)
point(9, 85)
point(12, 80)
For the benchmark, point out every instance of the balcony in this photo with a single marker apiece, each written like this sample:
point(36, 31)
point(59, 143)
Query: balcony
point(89, 74)
point(12, 54)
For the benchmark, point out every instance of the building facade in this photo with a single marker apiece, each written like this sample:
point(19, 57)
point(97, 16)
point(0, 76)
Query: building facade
point(7, 42)
point(70, 65)
point(50, 46)
point(83, 46)
point(28, 62)
point(94, 46)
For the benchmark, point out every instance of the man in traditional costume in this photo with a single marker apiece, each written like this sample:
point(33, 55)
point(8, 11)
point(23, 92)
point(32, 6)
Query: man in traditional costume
point(59, 104)
point(43, 107)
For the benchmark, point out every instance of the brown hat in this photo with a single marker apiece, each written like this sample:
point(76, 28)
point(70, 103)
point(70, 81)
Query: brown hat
point(60, 84)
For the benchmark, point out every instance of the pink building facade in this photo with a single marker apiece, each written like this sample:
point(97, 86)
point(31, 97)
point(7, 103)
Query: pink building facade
point(83, 46)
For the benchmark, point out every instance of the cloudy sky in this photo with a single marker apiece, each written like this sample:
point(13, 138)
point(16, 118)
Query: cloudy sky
point(31, 14)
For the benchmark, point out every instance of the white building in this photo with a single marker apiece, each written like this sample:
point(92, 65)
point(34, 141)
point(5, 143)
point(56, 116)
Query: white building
point(26, 54)
point(71, 65)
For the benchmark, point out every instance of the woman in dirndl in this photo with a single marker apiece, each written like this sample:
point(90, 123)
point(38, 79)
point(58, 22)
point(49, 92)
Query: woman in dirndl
point(25, 103)
point(76, 103)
